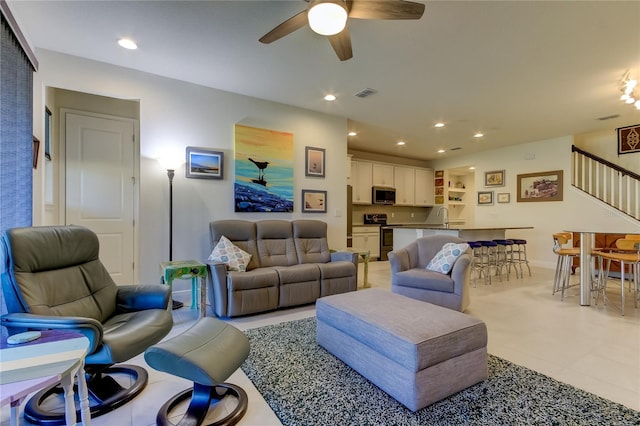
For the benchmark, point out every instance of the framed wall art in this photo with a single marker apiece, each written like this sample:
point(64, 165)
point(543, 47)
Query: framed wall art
point(629, 139)
point(485, 198)
point(504, 197)
point(314, 201)
point(494, 178)
point(314, 161)
point(541, 186)
point(204, 163)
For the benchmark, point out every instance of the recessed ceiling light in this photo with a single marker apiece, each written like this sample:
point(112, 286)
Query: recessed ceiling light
point(440, 151)
point(330, 98)
point(127, 44)
point(353, 134)
point(472, 168)
point(400, 143)
point(438, 125)
point(478, 135)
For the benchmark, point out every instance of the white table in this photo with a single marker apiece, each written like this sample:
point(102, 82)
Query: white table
point(57, 356)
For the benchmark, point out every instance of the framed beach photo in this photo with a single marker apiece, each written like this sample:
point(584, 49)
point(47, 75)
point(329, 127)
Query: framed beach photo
point(204, 163)
point(541, 186)
point(314, 161)
point(504, 197)
point(314, 201)
point(494, 178)
point(485, 198)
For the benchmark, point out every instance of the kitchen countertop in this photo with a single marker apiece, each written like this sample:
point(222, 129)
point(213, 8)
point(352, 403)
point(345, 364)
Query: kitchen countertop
point(454, 227)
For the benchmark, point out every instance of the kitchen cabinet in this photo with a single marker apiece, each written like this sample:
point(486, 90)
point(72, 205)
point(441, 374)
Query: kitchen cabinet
point(423, 188)
point(405, 180)
point(383, 175)
point(361, 182)
point(367, 238)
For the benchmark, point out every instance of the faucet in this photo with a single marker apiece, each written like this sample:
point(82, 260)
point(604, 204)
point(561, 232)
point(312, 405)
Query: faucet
point(445, 218)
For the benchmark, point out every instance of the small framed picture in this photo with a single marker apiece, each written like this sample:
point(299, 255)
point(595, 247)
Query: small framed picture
point(204, 163)
point(314, 201)
point(504, 197)
point(485, 198)
point(314, 161)
point(494, 178)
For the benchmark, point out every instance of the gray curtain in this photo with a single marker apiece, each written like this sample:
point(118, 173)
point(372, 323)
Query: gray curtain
point(16, 137)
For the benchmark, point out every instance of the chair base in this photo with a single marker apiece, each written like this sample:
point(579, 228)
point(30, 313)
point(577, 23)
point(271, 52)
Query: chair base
point(201, 398)
point(104, 391)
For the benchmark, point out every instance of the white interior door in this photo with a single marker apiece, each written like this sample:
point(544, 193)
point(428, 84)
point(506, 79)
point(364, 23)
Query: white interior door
point(100, 181)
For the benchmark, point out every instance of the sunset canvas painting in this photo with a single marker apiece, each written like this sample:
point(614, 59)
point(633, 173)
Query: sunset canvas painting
point(264, 170)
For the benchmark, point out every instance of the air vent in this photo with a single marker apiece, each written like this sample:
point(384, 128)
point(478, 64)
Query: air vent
point(365, 93)
point(608, 117)
point(455, 149)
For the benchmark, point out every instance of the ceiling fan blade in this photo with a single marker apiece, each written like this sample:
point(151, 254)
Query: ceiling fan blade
point(287, 27)
point(386, 9)
point(341, 44)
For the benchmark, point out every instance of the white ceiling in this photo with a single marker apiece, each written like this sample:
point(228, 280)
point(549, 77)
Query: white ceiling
point(518, 71)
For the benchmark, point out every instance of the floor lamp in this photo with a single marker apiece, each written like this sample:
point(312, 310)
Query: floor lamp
point(171, 163)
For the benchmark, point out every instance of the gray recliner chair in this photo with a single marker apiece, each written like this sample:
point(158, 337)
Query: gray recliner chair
point(410, 277)
point(53, 279)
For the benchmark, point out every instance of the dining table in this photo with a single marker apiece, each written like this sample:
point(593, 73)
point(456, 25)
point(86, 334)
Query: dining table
point(586, 247)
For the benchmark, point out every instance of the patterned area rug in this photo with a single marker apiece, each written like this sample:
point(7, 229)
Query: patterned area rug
point(306, 385)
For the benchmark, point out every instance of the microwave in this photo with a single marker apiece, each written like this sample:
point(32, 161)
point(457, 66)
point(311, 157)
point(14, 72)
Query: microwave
point(382, 195)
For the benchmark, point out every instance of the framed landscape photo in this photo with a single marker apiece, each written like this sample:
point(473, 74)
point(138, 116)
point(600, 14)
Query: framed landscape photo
point(314, 161)
point(541, 186)
point(485, 198)
point(504, 197)
point(494, 178)
point(314, 201)
point(204, 163)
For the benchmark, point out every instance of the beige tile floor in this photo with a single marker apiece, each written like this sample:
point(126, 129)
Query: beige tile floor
point(593, 348)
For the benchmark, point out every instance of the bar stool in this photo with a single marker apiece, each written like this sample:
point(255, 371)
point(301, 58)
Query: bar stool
point(519, 249)
point(629, 256)
point(504, 257)
point(477, 262)
point(489, 253)
point(565, 258)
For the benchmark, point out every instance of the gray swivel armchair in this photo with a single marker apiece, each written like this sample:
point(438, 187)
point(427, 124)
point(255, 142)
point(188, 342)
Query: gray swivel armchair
point(53, 279)
point(410, 277)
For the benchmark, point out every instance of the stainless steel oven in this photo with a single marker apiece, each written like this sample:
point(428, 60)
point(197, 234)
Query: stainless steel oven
point(386, 242)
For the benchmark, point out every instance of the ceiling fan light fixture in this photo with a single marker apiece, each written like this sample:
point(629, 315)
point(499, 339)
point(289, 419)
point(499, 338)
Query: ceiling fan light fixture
point(327, 17)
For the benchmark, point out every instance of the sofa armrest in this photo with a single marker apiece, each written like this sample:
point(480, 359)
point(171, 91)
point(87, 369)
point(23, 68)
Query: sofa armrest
point(348, 256)
point(88, 327)
point(217, 288)
point(140, 297)
point(460, 274)
point(399, 261)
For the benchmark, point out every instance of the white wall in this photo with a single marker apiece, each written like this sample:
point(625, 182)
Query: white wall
point(576, 211)
point(605, 144)
point(174, 115)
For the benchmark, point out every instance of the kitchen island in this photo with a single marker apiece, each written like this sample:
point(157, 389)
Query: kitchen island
point(403, 235)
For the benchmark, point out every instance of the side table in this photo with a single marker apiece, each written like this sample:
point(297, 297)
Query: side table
point(364, 256)
point(57, 356)
point(185, 269)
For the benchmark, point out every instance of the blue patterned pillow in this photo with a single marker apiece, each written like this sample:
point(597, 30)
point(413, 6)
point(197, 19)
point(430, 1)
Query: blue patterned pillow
point(443, 261)
point(234, 257)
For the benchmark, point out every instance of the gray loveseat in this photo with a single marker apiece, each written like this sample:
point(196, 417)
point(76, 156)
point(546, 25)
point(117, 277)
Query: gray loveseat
point(290, 265)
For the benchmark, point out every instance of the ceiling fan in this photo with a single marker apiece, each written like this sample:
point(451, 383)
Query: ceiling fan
point(334, 13)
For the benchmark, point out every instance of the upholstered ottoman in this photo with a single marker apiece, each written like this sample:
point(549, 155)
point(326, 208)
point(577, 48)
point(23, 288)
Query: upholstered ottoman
point(416, 352)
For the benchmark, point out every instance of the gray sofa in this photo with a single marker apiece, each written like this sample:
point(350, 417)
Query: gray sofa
point(410, 278)
point(290, 265)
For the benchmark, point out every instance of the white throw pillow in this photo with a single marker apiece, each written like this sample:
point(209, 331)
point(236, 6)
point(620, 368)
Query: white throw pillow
point(234, 257)
point(443, 261)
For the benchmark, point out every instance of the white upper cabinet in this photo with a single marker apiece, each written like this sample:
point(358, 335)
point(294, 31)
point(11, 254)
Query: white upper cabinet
point(404, 178)
point(424, 191)
point(383, 175)
point(361, 182)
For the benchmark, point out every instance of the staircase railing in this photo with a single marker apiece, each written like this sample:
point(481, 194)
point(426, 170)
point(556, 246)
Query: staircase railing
point(606, 181)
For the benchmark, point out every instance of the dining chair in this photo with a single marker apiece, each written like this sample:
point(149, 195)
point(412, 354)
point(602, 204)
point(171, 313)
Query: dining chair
point(565, 258)
point(628, 253)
